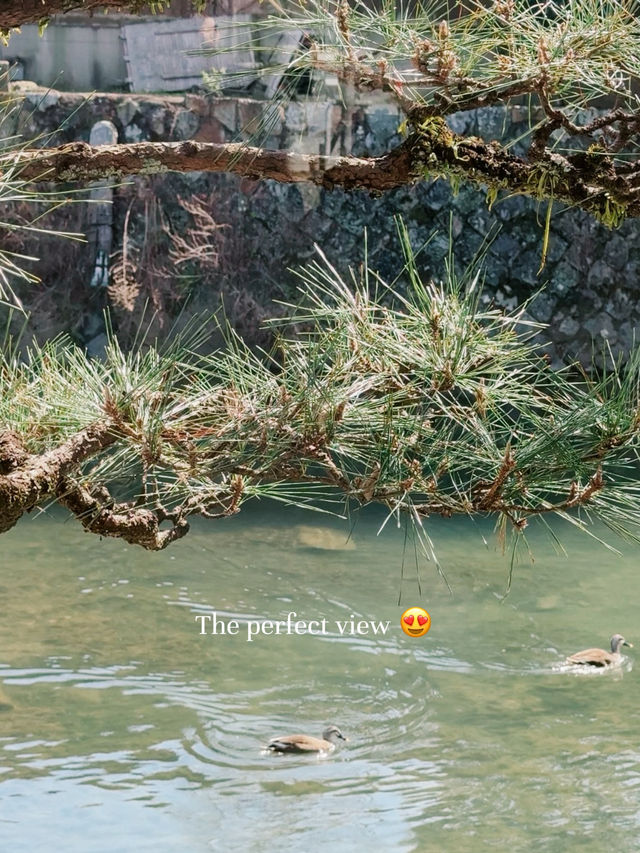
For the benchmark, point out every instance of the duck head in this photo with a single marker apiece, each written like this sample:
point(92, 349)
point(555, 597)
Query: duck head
point(333, 734)
point(618, 640)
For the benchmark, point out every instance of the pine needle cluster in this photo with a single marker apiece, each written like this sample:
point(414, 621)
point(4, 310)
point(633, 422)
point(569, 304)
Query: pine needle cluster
point(410, 394)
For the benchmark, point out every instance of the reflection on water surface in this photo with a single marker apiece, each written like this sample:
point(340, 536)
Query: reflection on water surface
point(124, 729)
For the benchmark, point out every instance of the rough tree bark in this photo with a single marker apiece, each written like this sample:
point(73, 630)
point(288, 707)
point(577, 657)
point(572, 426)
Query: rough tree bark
point(26, 480)
point(14, 13)
point(30, 478)
point(608, 192)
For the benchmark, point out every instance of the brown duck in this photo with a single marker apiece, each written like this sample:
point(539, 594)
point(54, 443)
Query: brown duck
point(305, 743)
point(598, 657)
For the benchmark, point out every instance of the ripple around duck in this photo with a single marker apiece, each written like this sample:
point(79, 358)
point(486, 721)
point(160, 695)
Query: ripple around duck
point(233, 733)
point(227, 732)
point(612, 671)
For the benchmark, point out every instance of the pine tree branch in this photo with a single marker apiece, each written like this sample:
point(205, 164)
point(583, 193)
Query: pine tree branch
point(32, 478)
point(597, 185)
point(78, 161)
point(99, 514)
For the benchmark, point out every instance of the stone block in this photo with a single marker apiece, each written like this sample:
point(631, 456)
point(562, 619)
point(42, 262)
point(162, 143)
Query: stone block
point(563, 279)
point(295, 117)
point(103, 133)
point(185, 125)
point(157, 120)
point(462, 123)
point(616, 249)
point(134, 133)
point(252, 116)
point(568, 327)
point(225, 110)
point(600, 272)
point(127, 110)
point(543, 308)
point(620, 306)
point(42, 101)
point(601, 328)
point(211, 130)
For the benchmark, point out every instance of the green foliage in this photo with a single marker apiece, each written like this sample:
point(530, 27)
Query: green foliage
point(583, 48)
point(16, 194)
point(212, 81)
point(409, 394)
point(573, 65)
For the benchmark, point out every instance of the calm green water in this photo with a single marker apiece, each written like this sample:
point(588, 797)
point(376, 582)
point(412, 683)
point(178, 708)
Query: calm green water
point(124, 729)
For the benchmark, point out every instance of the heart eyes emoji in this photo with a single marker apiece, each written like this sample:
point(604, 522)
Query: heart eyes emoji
point(415, 622)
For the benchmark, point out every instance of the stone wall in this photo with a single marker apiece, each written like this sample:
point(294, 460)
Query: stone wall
point(588, 289)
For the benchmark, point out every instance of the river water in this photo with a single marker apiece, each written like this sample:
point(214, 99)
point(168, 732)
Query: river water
point(123, 728)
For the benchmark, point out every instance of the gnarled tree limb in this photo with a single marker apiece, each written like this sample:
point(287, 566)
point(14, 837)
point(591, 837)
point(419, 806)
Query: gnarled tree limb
point(136, 525)
point(32, 478)
point(78, 161)
point(608, 191)
point(28, 479)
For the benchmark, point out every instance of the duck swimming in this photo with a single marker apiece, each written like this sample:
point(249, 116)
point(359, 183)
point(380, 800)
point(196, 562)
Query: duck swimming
point(305, 743)
point(599, 657)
